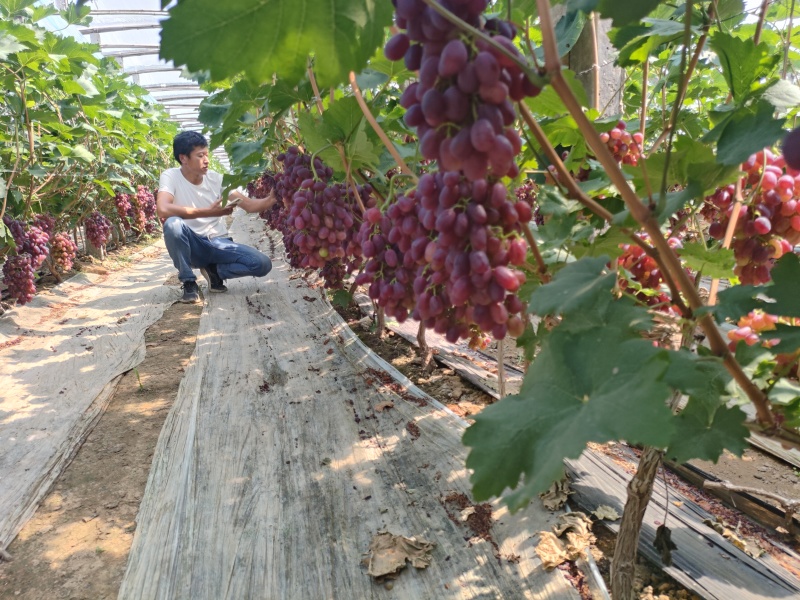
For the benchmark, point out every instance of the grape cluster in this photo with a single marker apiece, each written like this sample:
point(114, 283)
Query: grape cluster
point(19, 275)
point(317, 220)
point(46, 223)
point(393, 245)
point(526, 192)
point(470, 262)
point(461, 106)
point(63, 251)
point(643, 279)
point(749, 326)
point(98, 229)
point(122, 201)
point(769, 220)
point(29, 239)
point(146, 218)
point(626, 147)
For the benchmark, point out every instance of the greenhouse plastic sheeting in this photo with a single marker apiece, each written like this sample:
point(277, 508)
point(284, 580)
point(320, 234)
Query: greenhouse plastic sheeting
point(60, 358)
point(281, 460)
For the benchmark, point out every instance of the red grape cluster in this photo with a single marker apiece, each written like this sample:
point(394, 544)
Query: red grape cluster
point(625, 146)
point(146, 202)
point(63, 251)
point(318, 222)
point(470, 261)
point(29, 239)
point(46, 223)
point(643, 278)
point(462, 105)
point(19, 275)
point(124, 208)
point(98, 229)
point(769, 220)
point(526, 192)
point(393, 245)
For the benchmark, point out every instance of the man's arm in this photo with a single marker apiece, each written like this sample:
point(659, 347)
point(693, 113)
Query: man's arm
point(253, 205)
point(166, 208)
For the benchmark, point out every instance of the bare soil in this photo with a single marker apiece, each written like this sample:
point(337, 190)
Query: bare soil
point(76, 545)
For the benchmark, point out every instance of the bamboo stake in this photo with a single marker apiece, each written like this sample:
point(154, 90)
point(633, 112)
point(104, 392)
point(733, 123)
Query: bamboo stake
point(377, 128)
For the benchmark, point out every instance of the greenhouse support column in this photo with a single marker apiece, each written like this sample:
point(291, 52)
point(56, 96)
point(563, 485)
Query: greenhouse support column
point(581, 60)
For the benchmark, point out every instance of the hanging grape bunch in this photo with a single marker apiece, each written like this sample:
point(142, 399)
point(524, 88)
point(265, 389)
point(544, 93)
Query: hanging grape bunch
point(29, 240)
point(122, 202)
point(768, 224)
point(461, 106)
point(46, 223)
point(643, 278)
point(63, 251)
point(19, 275)
point(98, 229)
point(624, 146)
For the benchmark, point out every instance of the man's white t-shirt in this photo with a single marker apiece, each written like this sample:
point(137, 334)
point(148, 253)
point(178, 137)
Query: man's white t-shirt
point(198, 196)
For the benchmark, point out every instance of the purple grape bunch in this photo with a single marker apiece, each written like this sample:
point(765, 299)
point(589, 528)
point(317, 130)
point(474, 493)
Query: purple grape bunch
point(19, 275)
point(98, 229)
point(122, 201)
point(29, 239)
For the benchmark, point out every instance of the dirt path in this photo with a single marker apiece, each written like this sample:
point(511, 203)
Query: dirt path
point(76, 546)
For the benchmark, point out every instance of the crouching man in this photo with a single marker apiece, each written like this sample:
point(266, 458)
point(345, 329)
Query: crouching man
point(190, 204)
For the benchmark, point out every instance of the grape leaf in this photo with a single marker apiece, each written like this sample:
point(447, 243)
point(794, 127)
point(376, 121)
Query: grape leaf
point(264, 38)
point(626, 11)
point(575, 287)
point(748, 132)
point(599, 384)
point(788, 335)
point(783, 94)
point(717, 263)
point(742, 62)
point(778, 298)
point(704, 434)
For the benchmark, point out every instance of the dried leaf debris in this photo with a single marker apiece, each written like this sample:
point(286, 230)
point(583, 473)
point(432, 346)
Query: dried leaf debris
point(570, 537)
point(389, 553)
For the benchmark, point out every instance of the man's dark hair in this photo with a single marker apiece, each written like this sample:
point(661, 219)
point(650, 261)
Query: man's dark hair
point(185, 142)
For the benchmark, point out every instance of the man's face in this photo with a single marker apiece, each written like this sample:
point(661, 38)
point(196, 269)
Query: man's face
point(197, 161)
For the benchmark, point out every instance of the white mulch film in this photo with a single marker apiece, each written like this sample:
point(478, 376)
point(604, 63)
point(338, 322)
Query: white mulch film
point(61, 358)
point(273, 471)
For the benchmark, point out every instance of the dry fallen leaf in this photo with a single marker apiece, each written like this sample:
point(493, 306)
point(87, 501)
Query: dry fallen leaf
point(604, 512)
point(557, 495)
point(745, 546)
point(550, 550)
point(389, 553)
point(387, 404)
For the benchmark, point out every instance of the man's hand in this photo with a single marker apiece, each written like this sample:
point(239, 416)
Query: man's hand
point(258, 205)
point(217, 210)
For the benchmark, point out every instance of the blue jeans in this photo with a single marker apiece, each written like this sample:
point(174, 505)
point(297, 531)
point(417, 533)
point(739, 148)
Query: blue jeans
point(189, 250)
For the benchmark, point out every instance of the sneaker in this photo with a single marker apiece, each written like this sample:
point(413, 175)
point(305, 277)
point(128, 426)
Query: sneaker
point(191, 293)
point(215, 283)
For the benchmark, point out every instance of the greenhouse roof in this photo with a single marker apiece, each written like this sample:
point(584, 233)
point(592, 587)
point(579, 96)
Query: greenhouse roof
point(130, 32)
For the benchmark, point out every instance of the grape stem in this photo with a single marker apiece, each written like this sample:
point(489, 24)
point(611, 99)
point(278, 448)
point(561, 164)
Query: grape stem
point(665, 256)
point(535, 78)
point(379, 130)
point(537, 255)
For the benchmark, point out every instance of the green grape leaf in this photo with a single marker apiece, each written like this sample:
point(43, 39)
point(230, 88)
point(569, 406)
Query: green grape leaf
point(703, 434)
point(9, 45)
point(578, 285)
point(341, 298)
point(783, 94)
point(785, 392)
point(599, 384)
point(703, 378)
point(778, 298)
point(788, 335)
point(742, 62)
point(242, 151)
point(528, 342)
point(748, 132)
point(264, 38)
point(717, 263)
point(548, 103)
point(626, 11)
